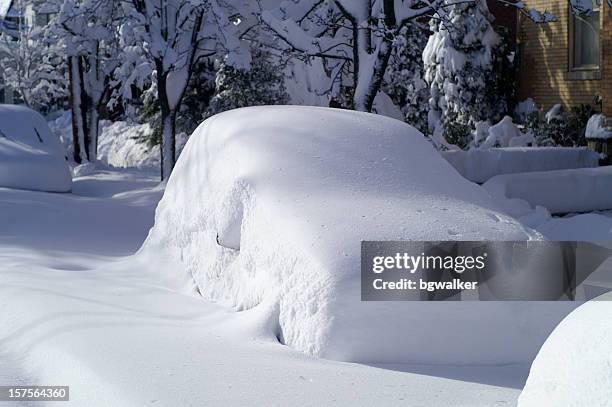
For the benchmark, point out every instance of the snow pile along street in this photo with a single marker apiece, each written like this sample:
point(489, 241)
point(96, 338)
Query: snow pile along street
point(270, 204)
point(480, 165)
point(31, 157)
point(562, 191)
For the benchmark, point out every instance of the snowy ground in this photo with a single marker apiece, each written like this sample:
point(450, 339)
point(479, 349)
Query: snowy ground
point(76, 312)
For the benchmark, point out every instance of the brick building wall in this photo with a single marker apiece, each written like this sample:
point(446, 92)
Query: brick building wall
point(544, 60)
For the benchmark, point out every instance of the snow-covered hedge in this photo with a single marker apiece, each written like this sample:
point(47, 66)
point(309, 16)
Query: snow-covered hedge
point(574, 367)
point(120, 144)
point(480, 165)
point(270, 204)
point(561, 191)
point(124, 145)
point(31, 156)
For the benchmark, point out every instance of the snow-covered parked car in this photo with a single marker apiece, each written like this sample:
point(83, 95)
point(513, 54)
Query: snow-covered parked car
point(268, 205)
point(574, 367)
point(31, 156)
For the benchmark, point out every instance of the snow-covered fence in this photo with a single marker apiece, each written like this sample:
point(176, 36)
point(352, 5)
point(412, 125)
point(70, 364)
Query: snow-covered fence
point(481, 165)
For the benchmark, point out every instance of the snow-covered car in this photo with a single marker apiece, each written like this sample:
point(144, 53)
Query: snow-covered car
point(31, 156)
point(574, 367)
point(268, 206)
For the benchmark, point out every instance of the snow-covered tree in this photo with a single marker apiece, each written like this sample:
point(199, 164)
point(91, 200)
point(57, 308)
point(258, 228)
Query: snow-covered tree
point(174, 36)
point(404, 80)
point(463, 60)
point(31, 65)
point(355, 37)
point(262, 84)
point(90, 31)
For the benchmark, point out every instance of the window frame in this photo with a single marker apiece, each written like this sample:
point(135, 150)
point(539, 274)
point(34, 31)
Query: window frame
point(586, 72)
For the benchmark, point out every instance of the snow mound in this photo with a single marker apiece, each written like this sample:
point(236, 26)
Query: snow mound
point(481, 165)
point(574, 367)
point(561, 191)
point(599, 127)
point(31, 157)
point(271, 204)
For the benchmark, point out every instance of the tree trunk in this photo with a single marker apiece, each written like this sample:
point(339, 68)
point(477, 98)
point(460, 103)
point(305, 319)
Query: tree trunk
point(77, 106)
point(94, 125)
point(168, 146)
point(370, 78)
point(168, 125)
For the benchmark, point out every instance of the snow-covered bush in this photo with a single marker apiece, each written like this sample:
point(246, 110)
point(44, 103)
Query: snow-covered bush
point(503, 134)
point(466, 66)
point(525, 110)
point(561, 128)
point(269, 204)
point(121, 144)
point(261, 84)
point(404, 81)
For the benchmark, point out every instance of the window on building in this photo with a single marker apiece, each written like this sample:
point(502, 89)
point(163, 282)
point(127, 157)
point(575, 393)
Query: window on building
point(584, 40)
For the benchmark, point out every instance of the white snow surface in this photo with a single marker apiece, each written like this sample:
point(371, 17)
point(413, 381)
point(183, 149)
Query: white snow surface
point(289, 193)
point(561, 191)
point(76, 313)
point(31, 157)
point(480, 165)
point(574, 367)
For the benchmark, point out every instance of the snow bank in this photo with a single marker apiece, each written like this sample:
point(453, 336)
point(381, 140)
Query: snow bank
point(561, 191)
point(574, 367)
point(271, 203)
point(480, 165)
point(31, 157)
point(598, 128)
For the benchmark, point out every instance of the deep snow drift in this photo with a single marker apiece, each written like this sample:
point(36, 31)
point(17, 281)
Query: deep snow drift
point(31, 157)
point(269, 204)
point(574, 367)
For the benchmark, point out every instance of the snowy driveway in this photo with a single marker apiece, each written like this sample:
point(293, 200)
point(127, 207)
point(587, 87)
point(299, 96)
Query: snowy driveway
point(75, 312)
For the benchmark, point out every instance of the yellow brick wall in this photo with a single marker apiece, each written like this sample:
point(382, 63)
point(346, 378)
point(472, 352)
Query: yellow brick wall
point(544, 60)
